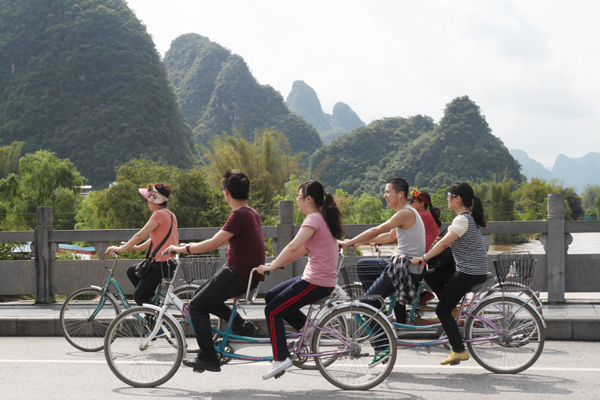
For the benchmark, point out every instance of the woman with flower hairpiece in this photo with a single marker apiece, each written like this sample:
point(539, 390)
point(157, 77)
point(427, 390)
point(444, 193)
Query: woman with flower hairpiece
point(421, 201)
point(162, 228)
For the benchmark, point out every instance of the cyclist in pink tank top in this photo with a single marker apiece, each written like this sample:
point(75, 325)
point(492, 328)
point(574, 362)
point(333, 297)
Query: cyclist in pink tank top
point(319, 233)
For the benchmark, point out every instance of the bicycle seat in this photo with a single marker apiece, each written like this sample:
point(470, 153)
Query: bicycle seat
point(321, 302)
point(481, 285)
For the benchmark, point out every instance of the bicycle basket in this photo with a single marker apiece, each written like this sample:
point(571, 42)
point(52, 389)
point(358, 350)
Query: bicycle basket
point(198, 269)
point(358, 280)
point(515, 268)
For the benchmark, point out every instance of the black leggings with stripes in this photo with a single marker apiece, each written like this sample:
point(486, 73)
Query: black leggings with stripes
point(284, 302)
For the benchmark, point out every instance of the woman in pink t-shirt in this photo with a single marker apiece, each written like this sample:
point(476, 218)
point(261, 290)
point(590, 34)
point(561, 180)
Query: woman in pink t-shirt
point(319, 233)
point(161, 222)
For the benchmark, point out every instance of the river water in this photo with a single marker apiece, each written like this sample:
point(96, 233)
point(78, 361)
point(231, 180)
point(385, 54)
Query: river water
point(583, 243)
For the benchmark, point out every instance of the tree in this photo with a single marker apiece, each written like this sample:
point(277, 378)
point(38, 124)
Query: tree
point(42, 180)
point(9, 158)
point(589, 196)
point(194, 201)
point(267, 163)
point(499, 205)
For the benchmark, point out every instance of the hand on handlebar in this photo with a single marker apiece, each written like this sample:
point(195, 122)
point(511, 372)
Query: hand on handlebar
point(416, 260)
point(264, 269)
point(113, 249)
point(173, 249)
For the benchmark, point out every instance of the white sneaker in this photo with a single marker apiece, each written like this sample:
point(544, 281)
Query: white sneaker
point(278, 367)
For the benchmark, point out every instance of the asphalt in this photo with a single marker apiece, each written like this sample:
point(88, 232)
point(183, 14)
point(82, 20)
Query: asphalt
point(577, 319)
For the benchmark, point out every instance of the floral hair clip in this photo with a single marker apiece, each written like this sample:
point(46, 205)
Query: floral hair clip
point(415, 193)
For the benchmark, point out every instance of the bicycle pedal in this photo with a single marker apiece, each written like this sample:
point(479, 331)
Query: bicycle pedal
point(279, 375)
point(199, 370)
point(455, 363)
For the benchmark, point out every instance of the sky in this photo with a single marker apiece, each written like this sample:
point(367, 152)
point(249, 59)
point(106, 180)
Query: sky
point(530, 65)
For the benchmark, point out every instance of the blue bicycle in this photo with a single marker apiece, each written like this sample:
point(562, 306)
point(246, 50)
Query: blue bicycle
point(87, 312)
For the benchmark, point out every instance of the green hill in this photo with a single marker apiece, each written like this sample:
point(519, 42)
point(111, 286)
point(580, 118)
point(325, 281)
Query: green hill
point(219, 94)
point(303, 100)
point(461, 146)
point(83, 79)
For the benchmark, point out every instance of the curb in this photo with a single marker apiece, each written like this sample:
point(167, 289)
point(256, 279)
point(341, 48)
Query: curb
point(557, 328)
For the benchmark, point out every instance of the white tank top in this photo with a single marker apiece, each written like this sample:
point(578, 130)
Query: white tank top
point(411, 242)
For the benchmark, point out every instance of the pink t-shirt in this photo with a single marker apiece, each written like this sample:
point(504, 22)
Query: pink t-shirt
point(323, 258)
point(163, 217)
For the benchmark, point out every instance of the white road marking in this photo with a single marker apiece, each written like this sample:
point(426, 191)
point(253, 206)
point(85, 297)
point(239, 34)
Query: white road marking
point(261, 365)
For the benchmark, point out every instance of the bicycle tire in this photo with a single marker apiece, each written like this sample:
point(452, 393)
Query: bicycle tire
point(367, 332)
point(520, 344)
point(137, 366)
point(81, 332)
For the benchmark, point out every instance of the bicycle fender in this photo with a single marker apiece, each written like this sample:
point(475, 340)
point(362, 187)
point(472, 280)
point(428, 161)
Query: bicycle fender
point(172, 319)
point(359, 304)
point(522, 301)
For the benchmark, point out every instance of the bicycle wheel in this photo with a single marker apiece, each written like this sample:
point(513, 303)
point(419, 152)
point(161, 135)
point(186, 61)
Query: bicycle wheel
point(185, 294)
point(85, 316)
point(368, 348)
point(518, 346)
point(139, 364)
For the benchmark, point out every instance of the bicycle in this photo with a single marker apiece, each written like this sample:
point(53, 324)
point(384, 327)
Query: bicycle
point(87, 312)
point(509, 329)
point(145, 354)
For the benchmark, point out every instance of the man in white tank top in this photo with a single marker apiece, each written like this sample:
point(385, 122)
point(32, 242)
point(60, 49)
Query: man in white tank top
point(405, 226)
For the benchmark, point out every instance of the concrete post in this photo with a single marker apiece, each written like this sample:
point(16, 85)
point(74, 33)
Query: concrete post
point(285, 234)
point(43, 256)
point(556, 248)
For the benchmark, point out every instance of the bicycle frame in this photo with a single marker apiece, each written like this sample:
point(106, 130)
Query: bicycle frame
point(172, 299)
point(111, 281)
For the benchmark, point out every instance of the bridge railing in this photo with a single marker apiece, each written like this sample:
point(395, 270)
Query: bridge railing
point(556, 272)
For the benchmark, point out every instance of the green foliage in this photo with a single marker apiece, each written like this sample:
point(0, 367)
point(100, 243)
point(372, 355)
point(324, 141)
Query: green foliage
point(219, 94)
point(533, 200)
point(355, 162)
point(42, 180)
point(9, 158)
point(267, 163)
point(82, 78)
point(590, 194)
point(120, 206)
point(460, 147)
point(498, 198)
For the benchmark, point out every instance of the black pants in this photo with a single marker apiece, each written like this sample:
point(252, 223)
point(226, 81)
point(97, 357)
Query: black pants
point(145, 287)
point(450, 286)
point(210, 299)
point(376, 281)
point(283, 303)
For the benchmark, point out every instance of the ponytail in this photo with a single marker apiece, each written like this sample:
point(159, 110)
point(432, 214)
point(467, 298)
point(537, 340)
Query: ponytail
point(467, 195)
point(333, 216)
point(477, 213)
point(326, 205)
point(436, 213)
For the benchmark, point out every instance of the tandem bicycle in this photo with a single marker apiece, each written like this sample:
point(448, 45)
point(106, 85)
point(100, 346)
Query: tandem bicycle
point(144, 346)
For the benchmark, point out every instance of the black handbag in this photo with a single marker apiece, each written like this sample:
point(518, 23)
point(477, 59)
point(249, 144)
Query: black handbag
point(144, 266)
point(443, 260)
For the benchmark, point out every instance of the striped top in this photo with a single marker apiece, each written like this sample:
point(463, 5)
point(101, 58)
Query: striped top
point(469, 249)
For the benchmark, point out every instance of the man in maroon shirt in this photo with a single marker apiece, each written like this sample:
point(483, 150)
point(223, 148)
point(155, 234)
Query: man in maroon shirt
point(243, 233)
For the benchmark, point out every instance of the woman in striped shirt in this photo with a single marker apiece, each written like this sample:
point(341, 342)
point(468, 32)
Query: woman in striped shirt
point(468, 248)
